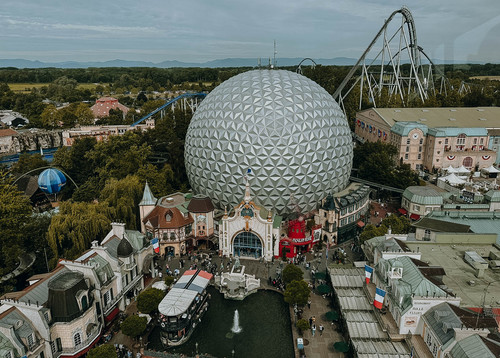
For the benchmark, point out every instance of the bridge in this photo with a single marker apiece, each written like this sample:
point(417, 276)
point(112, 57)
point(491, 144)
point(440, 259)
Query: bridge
point(376, 185)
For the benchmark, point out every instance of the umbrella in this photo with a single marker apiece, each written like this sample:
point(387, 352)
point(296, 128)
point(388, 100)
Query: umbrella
point(324, 289)
point(341, 347)
point(320, 275)
point(161, 285)
point(332, 316)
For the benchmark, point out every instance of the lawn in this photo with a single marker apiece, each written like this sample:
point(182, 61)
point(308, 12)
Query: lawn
point(26, 87)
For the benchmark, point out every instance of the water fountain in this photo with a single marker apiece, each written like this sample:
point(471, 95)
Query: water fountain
point(236, 323)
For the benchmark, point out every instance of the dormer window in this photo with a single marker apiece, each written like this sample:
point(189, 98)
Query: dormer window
point(168, 216)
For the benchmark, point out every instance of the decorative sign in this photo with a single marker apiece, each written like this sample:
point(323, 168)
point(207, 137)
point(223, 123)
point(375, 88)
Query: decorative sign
point(467, 196)
point(486, 157)
point(450, 157)
point(316, 233)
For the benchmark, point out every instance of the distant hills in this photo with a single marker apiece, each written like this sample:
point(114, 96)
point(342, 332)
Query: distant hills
point(227, 62)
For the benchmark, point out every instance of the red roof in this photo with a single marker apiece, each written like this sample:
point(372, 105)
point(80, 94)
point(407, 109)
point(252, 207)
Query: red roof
point(104, 104)
point(7, 132)
point(414, 216)
point(157, 218)
point(403, 211)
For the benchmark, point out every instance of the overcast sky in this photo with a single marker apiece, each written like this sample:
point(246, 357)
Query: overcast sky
point(202, 30)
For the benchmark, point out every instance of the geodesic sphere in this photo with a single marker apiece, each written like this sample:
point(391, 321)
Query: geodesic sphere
point(284, 127)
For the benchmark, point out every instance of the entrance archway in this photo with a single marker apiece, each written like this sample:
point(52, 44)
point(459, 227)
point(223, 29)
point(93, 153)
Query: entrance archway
point(247, 244)
point(170, 251)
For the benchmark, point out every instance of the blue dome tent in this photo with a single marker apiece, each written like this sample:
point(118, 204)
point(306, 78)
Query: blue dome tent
point(51, 181)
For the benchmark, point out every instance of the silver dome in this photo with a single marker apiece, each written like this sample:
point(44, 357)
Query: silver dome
point(283, 126)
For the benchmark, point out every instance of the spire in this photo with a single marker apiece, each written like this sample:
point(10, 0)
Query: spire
point(269, 215)
point(247, 197)
point(147, 197)
point(225, 211)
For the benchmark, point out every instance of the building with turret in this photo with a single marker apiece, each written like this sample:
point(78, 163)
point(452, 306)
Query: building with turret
point(250, 231)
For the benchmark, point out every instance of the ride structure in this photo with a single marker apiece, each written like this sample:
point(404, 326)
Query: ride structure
point(185, 104)
point(393, 64)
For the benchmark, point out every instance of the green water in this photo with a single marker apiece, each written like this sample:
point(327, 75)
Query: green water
point(264, 319)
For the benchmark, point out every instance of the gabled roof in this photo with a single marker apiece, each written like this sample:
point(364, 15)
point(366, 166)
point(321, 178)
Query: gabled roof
point(200, 204)
point(441, 320)
point(471, 347)
point(157, 217)
point(440, 225)
point(8, 132)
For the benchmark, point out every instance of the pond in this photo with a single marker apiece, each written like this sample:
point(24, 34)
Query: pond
point(265, 324)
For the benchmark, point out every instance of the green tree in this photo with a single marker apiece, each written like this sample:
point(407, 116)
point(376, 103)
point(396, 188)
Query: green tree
point(149, 299)
point(75, 226)
point(83, 114)
point(102, 351)
point(123, 197)
point(169, 280)
point(371, 231)
point(297, 292)
point(50, 116)
point(398, 225)
point(28, 162)
point(292, 273)
point(133, 326)
point(302, 325)
point(15, 209)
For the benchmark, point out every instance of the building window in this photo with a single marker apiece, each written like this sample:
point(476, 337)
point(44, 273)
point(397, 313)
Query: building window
point(420, 148)
point(434, 350)
point(461, 139)
point(429, 339)
point(419, 156)
point(446, 141)
point(85, 303)
point(53, 347)
point(475, 140)
point(77, 339)
point(8, 355)
point(31, 340)
point(481, 141)
point(408, 141)
point(421, 141)
point(407, 149)
point(406, 156)
point(416, 207)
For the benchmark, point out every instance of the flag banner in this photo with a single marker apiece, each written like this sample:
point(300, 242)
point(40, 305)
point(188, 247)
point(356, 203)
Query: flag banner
point(379, 298)
point(156, 245)
point(368, 273)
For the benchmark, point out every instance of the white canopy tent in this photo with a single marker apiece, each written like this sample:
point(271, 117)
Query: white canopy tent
point(452, 179)
point(491, 169)
point(450, 170)
point(462, 170)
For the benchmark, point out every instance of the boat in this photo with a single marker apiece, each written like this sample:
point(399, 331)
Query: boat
point(182, 308)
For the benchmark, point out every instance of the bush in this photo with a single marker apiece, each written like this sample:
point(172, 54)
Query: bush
point(303, 325)
point(133, 326)
point(148, 300)
point(292, 273)
point(104, 351)
point(169, 280)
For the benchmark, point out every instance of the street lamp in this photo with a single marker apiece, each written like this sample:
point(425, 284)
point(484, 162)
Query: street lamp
point(484, 299)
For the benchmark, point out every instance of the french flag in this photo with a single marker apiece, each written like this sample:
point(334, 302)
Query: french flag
point(379, 298)
point(368, 273)
point(156, 245)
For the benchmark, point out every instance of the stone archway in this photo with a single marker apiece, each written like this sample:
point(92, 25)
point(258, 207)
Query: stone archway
point(248, 244)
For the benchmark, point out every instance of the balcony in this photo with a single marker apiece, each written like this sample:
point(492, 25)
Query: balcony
point(94, 334)
point(111, 304)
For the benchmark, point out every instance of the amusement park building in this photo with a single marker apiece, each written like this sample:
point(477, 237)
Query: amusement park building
point(342, 213)
point(251, 232)
point(63, 313)
point(179, 221)
point(433, 137)
point(101, 133)
point(103, 105)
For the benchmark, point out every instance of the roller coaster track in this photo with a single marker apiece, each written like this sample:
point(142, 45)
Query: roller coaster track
point(169, 103)
point(385, 68)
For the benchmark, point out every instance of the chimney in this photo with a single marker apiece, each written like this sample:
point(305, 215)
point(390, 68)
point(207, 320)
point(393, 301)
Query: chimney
point(118, 229)
point(389, 231)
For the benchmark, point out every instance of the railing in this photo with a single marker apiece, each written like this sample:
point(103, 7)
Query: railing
point(110, 306)
point(33, 346)
point(129, 267)
point(84, 344)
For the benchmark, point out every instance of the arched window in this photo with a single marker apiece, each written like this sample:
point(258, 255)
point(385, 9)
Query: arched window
point(85, 303)
point(461, 139)
point(77, 339)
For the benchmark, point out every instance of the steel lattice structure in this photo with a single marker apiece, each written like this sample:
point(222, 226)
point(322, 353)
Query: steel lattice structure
point(284, 127)
point(393, 60)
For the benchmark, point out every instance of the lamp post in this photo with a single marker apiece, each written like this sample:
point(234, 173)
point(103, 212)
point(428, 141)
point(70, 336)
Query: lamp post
point(484, 299)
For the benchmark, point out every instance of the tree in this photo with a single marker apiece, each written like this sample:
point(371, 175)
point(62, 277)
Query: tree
point(292, 273)
point(149, 299)
point(398, 225)
point(133, 326)
point(297, 292)
point(103, 351)
point(371, 231)
point(302, 325)
point(75, 226)
point(83, 114)
point(50, 116)
point(28, 162)
point(15, 209)
point(123, 197)
point(169, 280)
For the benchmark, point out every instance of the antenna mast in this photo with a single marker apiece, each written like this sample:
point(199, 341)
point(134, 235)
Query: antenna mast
point(275, 52)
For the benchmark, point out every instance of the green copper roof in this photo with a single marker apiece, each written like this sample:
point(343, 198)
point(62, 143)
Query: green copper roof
point(147, 196)
point(403, 128)
point(277, 221)
point(493, 196)
point(423, 195)
point(471, 347)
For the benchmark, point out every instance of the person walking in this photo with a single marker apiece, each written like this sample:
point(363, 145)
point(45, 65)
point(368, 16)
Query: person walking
point(321, 329)
point(310, 321)
point(309, 304)
point(313, 329)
